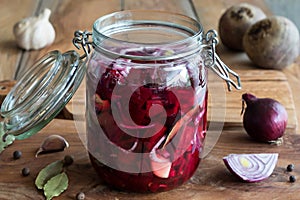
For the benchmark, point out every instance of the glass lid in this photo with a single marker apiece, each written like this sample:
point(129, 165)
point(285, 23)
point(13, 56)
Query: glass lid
point(41, 93)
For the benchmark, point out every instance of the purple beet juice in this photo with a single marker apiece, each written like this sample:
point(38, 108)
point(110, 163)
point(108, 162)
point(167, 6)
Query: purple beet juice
point(146, 121)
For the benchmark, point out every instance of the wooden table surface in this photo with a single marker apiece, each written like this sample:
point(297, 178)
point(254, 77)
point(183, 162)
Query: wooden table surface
point(212, 180)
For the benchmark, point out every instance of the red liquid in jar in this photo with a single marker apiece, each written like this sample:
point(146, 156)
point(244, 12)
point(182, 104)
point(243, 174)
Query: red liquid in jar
point(141, 130)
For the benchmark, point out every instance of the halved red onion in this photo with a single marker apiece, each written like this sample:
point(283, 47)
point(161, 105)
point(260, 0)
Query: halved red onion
point(251, 167)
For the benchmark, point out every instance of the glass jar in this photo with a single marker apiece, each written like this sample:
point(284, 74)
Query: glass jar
point(147, 99)
point(146, 96)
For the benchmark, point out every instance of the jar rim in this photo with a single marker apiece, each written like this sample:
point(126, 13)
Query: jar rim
point(190, 29)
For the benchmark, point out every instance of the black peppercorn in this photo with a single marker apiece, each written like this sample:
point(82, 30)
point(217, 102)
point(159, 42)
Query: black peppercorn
point(80, 196)
point(290, 167)
point(25, 171)
point(68, 160)
point(17, 154)
point(292, 179)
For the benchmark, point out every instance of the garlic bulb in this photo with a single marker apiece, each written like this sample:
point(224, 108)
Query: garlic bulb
point(35, 32)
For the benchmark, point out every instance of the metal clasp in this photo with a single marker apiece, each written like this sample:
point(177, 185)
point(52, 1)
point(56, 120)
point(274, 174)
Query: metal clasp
point(212, 61)
point(81, 39)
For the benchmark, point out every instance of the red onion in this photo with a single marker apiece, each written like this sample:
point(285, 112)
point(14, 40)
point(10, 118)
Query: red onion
point(251, 167)
point(265, 119)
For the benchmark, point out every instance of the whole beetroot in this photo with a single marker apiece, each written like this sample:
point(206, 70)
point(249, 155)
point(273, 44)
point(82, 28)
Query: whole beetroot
point(272, 42)
point(235, 21)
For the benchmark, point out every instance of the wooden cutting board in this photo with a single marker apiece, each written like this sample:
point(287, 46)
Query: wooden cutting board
point(260, 82)
point(212, 180)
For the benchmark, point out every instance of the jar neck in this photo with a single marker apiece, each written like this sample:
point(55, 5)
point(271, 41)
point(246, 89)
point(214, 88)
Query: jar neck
point(154, 35)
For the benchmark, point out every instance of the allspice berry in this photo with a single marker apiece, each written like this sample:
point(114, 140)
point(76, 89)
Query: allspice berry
point(80, 196)
point(17, 154)
point(25, 171)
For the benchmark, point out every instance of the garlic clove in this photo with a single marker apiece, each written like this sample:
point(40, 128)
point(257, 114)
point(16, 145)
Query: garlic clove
point(35, 32)
point(160, 161)
point(52, 143)
point(39, 36)
point(160, 166)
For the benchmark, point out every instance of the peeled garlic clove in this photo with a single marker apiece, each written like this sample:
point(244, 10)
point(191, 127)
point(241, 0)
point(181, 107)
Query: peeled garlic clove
point(160, 161)
point(160, 166)
point(52, 143)
point(35, 32)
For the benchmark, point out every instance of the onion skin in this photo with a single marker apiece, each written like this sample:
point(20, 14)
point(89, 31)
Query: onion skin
point(264, 119)
point(251, 167)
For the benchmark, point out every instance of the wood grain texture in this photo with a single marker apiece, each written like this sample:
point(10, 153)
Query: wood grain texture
point(212, 180)
point(176, 6)
point(262, 83)
point(10, 54)
point(209, 12)
point(293, 77)
point(272, 84)
point(67, 17)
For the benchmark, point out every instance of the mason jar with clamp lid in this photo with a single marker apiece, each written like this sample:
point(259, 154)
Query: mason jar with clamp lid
point(146, 96)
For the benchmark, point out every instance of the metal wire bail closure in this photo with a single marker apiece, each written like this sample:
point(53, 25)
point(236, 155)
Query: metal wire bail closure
point(81, 40)
point(213, 61)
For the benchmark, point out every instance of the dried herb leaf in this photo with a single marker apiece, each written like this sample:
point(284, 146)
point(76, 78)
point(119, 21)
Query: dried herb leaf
point(56, 185)
point(8, 140)
point(48, 172)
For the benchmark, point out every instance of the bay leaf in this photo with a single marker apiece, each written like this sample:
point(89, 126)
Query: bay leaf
point(56, 185)
point(8, 140)
point(48, 172)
